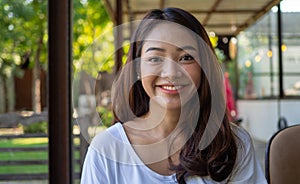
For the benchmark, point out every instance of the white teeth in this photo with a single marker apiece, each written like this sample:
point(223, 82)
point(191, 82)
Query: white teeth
point(171, 87)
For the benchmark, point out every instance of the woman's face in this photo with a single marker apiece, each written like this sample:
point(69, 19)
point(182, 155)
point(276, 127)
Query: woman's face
point(170, 70)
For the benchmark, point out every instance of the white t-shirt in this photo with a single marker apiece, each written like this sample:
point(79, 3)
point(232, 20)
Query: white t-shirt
point(112, 160)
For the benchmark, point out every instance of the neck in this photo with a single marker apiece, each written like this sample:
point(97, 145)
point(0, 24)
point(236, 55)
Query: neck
point(162, 120)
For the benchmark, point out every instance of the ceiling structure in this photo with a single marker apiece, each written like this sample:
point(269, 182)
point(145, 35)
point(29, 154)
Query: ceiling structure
point(224, 17)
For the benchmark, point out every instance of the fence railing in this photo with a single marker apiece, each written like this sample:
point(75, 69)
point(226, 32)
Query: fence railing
point(29, 162)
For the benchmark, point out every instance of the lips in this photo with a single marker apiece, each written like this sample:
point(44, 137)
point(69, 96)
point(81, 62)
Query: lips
point(171, 87)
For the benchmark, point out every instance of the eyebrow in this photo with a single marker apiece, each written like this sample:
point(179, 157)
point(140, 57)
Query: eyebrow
point(155, 48)
point(188, 47)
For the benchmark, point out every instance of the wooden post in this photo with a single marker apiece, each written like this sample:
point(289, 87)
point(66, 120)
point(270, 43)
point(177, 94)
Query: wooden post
point(118, 36)
point(280, 64)
point(59, 95)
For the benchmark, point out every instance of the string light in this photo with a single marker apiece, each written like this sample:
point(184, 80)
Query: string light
point(283, 47)
point(257, 58)
point(269, 53)
point(248, 63)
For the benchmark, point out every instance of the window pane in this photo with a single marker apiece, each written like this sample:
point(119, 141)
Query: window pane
point(258, 59)
point(291, 54)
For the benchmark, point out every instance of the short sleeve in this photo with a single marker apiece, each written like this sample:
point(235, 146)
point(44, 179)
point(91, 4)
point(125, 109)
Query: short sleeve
point(247, 168)
point(93, 169)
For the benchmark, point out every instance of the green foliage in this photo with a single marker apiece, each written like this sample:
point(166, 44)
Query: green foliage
point(39, 127)
point(23, 23)
point(98, 56)
point(106, 116)
point(220, 55)
point(23, 34)
point(93, 41)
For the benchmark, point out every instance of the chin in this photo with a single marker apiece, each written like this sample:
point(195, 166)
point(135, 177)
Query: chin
point(170, 105)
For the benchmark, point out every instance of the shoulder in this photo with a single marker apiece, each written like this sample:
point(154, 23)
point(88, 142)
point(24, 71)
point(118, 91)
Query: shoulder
point(111, 134)
point(245, 149)
point(113, 144)
point(247, 168)
point(110, 139)
point(242, 137)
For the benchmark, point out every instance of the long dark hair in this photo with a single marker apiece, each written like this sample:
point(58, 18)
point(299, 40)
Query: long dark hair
point(218, 158)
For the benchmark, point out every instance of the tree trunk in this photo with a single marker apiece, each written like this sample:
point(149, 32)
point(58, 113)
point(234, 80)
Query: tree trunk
point(5, 93)
point(36, 86)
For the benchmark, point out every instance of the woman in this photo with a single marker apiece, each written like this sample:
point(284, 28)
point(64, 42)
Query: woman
point(169, 107)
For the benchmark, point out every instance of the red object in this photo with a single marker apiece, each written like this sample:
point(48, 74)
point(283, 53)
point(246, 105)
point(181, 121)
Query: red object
point(230, 101)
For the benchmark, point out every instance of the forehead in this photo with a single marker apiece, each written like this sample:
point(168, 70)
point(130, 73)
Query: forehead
point(173, 34)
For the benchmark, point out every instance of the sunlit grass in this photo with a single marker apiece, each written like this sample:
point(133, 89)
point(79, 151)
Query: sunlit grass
point(29, 169)
point(28, 155)
point(30, 141)
point(21, 155)
point(76, 141)
point(24, 142)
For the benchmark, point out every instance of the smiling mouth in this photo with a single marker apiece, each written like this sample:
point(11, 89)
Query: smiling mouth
point(171, 87)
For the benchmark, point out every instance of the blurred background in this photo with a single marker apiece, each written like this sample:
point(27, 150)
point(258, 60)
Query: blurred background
point(257, 44)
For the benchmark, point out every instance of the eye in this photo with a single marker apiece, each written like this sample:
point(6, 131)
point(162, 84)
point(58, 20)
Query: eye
point(154, 59)
point(186, 59)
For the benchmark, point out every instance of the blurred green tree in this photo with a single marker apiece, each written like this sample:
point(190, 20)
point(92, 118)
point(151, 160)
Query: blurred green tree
point(23, 42)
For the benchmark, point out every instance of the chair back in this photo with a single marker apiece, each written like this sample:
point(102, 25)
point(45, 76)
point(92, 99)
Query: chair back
point(282, 162)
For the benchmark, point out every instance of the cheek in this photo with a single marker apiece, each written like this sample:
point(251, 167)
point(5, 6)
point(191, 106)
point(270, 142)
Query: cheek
point(194, 73)
point(148, 83)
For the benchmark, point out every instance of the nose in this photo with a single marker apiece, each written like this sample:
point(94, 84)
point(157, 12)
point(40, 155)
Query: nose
point(171, 69)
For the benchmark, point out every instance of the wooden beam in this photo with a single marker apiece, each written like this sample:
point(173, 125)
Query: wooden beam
point(130, 16)
point(110, 10)
point(118, 36)
point(256, 16)
point(59, 94)
point(162, 4)
point(218, 25)
point(212, 9)
point(228, 11)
